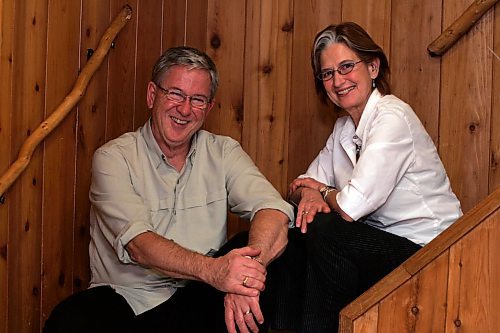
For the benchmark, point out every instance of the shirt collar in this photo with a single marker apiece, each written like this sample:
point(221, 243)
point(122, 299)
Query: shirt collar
point(154, 149)
point(367, 112)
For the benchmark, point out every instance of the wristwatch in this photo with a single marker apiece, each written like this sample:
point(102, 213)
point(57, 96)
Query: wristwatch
point(326, 190)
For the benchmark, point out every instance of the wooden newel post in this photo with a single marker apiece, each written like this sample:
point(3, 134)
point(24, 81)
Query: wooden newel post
point(458, 28)
point(69, 102)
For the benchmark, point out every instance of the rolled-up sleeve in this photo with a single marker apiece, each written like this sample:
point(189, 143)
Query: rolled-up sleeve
point(248, 190)
point(120, 211)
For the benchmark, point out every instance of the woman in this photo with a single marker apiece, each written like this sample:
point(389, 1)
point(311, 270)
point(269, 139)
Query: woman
point(376, 193)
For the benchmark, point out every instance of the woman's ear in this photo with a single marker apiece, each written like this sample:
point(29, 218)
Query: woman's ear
point(374, 68)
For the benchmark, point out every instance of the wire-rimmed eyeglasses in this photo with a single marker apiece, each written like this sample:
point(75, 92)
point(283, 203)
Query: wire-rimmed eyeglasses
point(344, 69)
point(178, 96)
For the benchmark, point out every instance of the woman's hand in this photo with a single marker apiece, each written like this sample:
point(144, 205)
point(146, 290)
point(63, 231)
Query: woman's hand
point(305, 182)
point(311, 202)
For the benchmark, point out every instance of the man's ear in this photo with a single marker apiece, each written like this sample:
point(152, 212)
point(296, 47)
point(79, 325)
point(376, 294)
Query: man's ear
point(151, 94)
point(209, 107)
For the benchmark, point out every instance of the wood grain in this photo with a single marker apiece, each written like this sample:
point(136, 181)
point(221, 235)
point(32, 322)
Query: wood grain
point(466, 108)
point(149, 45)
point(25, 197)
point(311, 122)
point(6, 103)
point(415, 76)
point(90, 134)
point(57, 227)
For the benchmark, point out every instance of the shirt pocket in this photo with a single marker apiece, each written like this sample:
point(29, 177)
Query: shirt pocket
point(201, 200)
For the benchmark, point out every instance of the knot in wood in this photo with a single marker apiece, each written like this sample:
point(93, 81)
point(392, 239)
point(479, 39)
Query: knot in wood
point(215, 41)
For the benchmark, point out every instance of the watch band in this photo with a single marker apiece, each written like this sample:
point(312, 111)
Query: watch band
point(326, 190)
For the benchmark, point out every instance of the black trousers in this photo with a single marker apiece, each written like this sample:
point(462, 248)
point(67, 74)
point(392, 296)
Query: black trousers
point(197, 307)
point(328, 267)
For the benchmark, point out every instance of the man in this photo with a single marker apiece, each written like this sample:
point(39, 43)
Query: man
point(159, 210)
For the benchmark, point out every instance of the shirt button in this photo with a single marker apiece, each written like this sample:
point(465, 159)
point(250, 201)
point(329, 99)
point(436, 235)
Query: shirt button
point(174, 212)
point(355, 137)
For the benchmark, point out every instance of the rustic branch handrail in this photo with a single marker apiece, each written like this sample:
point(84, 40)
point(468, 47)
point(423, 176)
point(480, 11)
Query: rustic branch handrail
point(58, 115)
point(458, 28)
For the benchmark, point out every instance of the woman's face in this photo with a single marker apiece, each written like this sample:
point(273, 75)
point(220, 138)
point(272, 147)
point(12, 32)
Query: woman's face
point(350, 91)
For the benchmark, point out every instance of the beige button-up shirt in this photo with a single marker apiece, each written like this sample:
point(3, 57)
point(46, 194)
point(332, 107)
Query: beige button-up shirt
point(135, 190)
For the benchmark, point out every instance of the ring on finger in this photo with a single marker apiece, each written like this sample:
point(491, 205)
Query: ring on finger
point(245, 280)
point(247, 312)
point(305, 213)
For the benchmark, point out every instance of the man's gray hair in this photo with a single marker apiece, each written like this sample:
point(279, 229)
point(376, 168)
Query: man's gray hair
point(191, 58)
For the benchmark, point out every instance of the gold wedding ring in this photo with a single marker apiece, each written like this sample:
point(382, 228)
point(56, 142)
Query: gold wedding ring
point(245, 280)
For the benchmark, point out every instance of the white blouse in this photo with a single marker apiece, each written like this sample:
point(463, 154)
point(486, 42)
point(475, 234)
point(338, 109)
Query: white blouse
point(398, 183)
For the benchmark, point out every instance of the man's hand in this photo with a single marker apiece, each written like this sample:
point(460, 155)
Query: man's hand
point(244, 311)
point(237, 273)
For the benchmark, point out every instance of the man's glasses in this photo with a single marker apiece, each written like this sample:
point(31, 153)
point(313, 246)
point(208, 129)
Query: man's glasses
point(178, 96)
point(344, 69)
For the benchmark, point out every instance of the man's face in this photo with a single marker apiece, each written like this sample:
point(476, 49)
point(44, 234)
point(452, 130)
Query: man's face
point(174, 123)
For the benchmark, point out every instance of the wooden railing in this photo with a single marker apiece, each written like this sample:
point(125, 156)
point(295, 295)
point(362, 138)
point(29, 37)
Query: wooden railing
point(451, 284)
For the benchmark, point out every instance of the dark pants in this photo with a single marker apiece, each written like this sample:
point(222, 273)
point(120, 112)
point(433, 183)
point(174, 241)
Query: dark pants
point(197, 307)
point(328, 267)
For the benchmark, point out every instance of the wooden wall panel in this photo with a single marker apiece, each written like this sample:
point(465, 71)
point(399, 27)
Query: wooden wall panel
point(90, 134)
point(374, 16)
point(59, 154)
point(6, 73)
point(415, 76)
point(196, 34)
point(267, 88)
point(121, 91)
point(473, 280)
point(494, 181)
point(266, 100)
point(419, 305)
point(149, 46)
point(466, 107)
point(226, 45)
point(311, 122)
point(174, 28)
point(25, 197)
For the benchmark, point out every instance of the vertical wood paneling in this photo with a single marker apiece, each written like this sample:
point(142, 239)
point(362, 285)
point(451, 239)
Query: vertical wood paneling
point(374, 16)
point(466, 107)
point(494, 181)
point(473, 291)
point(174, 29)
point(121, 87)
point(311, 122)
point(226, 46)
point(60, 154)
point(196, 23)
point(6, 46)
point(415, 75)
point(419, 305)
point(266, 101)
point(25, 197)
point(90, 134)
point(149, 41)
point(267, 96)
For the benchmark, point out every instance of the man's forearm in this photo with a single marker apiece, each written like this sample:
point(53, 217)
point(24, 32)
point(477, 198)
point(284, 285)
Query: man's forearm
point(268, 233)
point(149, 249)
